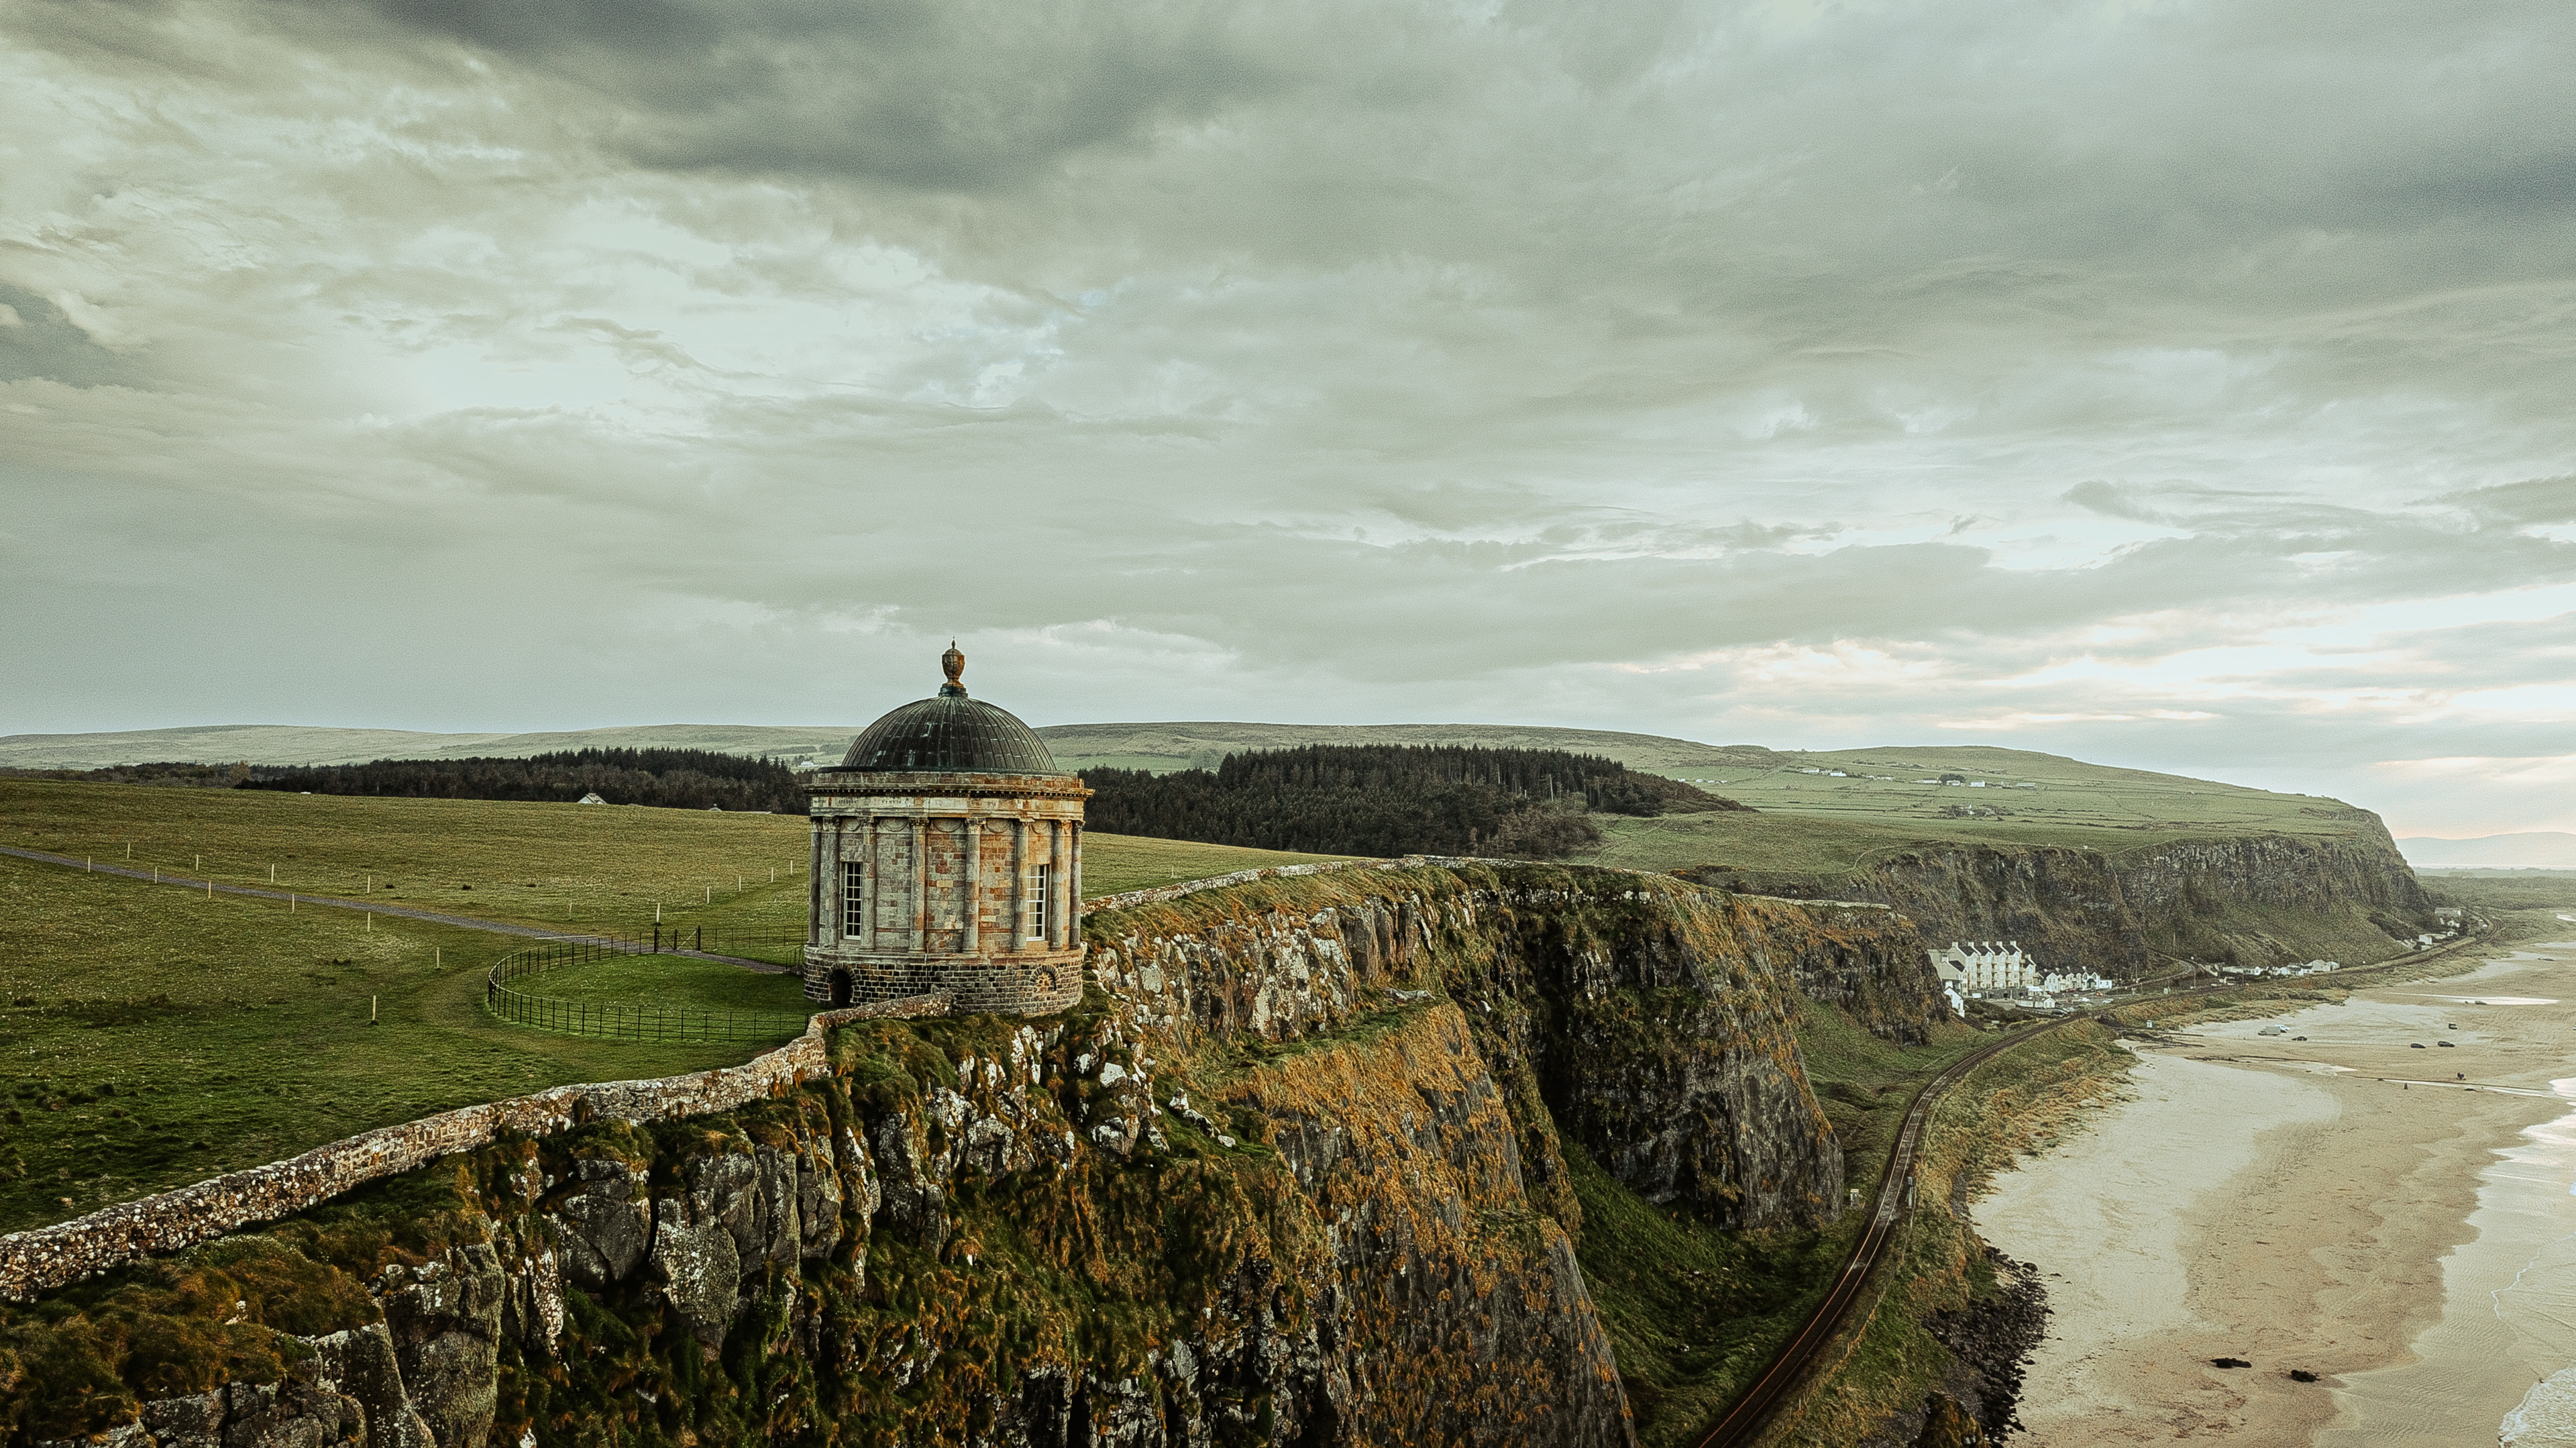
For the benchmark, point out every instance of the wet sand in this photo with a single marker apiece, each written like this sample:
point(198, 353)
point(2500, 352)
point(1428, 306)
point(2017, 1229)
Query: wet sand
point(2299, 1205)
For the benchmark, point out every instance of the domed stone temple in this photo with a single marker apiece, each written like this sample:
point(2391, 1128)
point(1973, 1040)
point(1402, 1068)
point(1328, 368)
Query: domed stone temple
point(947, 856)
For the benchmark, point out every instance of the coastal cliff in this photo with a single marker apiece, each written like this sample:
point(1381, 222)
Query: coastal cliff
point(2260, 900)
point(1293, 1173)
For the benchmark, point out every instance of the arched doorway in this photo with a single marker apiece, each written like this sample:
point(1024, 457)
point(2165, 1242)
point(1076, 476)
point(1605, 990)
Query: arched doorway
point(840, 989)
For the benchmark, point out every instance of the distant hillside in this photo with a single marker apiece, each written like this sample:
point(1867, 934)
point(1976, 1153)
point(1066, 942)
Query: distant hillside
point(1166, 747)
point(1889, 790)
point(2534, 850)
point(308, 744)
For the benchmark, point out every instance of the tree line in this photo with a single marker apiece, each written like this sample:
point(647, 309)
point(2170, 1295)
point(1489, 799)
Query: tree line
point(1388, 799)
point(668, 778)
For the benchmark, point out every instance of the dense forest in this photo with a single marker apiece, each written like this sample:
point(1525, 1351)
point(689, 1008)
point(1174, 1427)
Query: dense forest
point(1388, 800)
point(671, 778)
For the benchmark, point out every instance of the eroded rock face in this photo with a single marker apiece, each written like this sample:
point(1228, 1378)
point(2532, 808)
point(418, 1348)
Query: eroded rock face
point(445, 1322)
point(360, 1364)
point(916, 1206)
point(604, 1227)
point(697, 1257)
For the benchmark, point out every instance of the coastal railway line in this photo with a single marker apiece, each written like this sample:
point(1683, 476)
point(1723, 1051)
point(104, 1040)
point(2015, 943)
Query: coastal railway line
point(1745, 1422)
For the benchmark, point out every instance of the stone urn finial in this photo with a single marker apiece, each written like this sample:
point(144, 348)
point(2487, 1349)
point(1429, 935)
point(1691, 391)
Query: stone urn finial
point(954, 663)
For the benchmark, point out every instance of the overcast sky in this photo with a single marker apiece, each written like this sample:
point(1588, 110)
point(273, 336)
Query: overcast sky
point(2177, 385)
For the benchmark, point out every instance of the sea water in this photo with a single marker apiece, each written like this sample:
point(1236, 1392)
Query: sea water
point(2510, 1300)
point(2547, 1415)
point(2539, 1304)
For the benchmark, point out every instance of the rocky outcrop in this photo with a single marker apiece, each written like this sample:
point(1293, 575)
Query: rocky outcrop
point(1293, 1175)
point(346, 1390)
point(445, 1321)
point(1652, 1022)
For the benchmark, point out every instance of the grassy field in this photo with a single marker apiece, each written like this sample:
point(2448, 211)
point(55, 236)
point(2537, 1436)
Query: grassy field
point(674, 981)
point(563, 865)
point(153, 1037)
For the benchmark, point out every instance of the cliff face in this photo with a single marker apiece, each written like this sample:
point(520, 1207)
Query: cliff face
point(2257, 901)
point(1290, 1176)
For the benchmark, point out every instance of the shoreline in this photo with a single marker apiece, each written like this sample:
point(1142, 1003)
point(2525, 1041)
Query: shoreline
point(2301, 1205)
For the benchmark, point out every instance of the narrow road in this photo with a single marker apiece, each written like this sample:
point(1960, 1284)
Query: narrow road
point(329, 902)
point(1745, 1421)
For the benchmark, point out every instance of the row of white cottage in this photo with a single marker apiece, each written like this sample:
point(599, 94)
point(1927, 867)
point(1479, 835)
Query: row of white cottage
point(2001, 966)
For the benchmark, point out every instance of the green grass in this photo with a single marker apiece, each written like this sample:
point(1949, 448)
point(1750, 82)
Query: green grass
point(158, 1037)
point(668, 980)
point(1113, 864)
point(561, 865)
point(1692, 1311)
point(153, 1037)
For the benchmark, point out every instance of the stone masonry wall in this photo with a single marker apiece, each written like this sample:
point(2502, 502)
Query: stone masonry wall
point(47, 1257)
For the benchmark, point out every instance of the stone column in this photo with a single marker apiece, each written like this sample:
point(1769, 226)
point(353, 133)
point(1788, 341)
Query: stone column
point(1073, 889)
point(1019, 884)
point(868, 886)
point(970, 933)
point(815, 898)
point(920, 883)
point(1056, 853)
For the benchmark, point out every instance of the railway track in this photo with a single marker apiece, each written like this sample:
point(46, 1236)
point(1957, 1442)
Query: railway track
point(1744, 1422)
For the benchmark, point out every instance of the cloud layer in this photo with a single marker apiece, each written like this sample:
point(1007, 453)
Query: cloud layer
point(2173, 384)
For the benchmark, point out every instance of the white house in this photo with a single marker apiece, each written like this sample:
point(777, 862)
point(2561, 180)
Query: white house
point(1986, 965)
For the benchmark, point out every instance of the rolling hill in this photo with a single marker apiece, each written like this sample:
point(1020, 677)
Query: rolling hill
point(1817, 806)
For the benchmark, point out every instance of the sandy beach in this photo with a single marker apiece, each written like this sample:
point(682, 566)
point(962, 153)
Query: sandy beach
point(2396, 1221)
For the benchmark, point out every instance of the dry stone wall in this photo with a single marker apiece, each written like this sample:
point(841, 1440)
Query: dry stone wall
point(47, 1257)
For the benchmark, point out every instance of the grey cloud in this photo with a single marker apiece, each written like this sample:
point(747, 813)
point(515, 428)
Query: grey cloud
point(37, 340)
point(2540, 500)
point(1337, 361)
point(968, 97)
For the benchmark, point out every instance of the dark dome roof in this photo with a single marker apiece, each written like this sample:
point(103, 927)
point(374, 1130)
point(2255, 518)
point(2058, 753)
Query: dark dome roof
point(950, 733)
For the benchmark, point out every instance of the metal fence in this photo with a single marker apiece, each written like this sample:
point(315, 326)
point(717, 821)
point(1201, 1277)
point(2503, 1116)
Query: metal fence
point(617, 1020)
point(756, 943)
